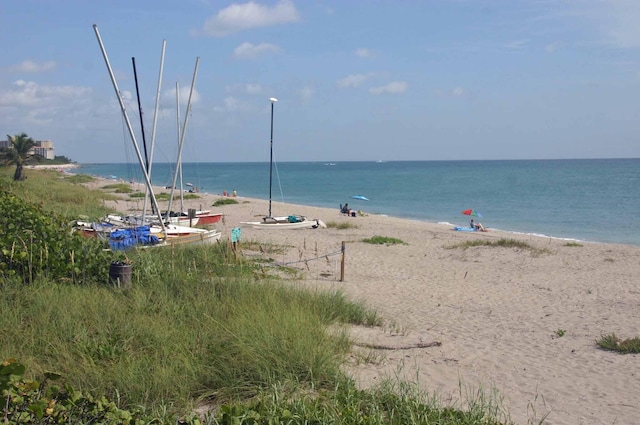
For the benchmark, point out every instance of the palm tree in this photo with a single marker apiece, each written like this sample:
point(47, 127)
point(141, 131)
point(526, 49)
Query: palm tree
point(18, 153)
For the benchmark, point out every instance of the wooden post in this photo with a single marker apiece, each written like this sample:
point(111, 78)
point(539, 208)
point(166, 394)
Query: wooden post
point(342, 263)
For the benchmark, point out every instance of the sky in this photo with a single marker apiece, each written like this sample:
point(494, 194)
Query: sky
point(355, 80)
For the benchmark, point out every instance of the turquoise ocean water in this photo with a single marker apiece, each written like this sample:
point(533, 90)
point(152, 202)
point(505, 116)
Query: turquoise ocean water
point(594, 200)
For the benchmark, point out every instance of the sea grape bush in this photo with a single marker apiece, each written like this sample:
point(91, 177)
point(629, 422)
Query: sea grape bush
point(31, 402)
point(35, 243)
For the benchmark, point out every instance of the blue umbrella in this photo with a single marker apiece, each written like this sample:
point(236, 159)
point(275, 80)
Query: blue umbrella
point(360, 197)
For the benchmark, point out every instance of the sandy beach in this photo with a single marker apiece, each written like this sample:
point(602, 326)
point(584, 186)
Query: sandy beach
point(518, 321)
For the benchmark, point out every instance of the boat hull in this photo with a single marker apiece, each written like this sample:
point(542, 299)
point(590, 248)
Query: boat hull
point(205, 218)
point(280, 223)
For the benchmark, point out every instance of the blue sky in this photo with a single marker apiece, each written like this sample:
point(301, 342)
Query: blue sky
point(355, 79)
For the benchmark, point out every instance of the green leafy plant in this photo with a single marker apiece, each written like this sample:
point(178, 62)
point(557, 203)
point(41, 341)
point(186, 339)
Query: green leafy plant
point(560, 333)
point(32, 402)
point(37, 243)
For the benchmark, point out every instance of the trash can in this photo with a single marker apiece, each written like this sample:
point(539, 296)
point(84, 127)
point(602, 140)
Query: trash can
point(120, 274)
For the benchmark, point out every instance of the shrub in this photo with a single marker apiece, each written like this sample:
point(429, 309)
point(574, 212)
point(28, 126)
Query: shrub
point(224, 201)
point(33, 402)
point(36, 243)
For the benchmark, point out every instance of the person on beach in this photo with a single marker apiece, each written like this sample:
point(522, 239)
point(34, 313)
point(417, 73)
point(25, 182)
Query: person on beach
point(477, 226)
point(346, 210)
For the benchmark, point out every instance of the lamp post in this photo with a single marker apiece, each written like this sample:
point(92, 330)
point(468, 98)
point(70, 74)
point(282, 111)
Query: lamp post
point(272, 100)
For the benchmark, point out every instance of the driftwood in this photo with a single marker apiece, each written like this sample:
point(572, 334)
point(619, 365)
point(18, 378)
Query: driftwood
point(399, 347)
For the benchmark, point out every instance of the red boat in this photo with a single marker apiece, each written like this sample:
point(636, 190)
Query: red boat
point(207, 217)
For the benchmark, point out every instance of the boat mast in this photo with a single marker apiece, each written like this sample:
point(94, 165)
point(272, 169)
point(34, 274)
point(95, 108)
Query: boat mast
point(128, 122)
point(155, 121)
point(179, 127)
point(144, 140)
point(272, 100)
point(184, 129)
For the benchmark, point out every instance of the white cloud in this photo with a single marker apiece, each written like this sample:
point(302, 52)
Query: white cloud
point(517, 44)
point(364, 53)
point(238, 17)
point(33, 67)
point(29, 93)
point(552, 47)
point(621, 22)
point(232, 104)
point(354, 80)
point(170, 95)
point(306, 93)
point(252, 51)
point(393, 88)
point(458, 91)
point(248, 88)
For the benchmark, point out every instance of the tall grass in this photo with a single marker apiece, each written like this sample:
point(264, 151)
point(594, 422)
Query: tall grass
point(192, 326)
point(52, 189)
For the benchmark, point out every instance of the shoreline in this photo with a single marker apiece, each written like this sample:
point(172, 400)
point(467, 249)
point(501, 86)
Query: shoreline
point(523, 322)
point(53, 166)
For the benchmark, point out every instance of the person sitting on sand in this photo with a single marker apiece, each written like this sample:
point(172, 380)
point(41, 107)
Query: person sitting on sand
point(346, 210)
point(477, 226)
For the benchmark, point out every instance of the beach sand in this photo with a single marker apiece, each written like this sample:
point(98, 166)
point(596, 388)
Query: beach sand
point(508, 319)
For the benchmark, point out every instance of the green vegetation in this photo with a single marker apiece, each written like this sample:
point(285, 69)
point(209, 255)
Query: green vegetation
point(224, 201)
point(36, 244)
point(560, 333)
point(51, 190)
point(200, 326)
point(32, 402)
point(118, 188)
point(341, 225)
point(79, 178)
point(501, 243)
point(573, 244)
point(613, 343)
point(383, 240)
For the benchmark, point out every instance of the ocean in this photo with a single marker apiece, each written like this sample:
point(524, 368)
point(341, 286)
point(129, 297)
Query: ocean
point(595, 200)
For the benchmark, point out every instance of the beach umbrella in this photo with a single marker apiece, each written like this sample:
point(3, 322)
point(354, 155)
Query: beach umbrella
point(360, 197)
point(472, 213)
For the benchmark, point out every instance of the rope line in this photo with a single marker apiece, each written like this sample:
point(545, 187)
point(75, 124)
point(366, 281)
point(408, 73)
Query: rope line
point(307, 259)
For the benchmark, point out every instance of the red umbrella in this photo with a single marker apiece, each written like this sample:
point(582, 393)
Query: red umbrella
point(472, 213)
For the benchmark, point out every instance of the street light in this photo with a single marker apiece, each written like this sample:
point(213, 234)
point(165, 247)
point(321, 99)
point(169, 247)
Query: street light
point(272, 100)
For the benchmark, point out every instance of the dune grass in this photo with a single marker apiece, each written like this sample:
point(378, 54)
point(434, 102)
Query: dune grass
point(341, 225)
point(193, 325)
point(501, 243)
point(383, 240)
point(612, 342)
point(224, 201)
point(52, 190)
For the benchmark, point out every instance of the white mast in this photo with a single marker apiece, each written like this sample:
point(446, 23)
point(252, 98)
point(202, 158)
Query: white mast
point(128, 122)
point(184, 129)
point(155, 121)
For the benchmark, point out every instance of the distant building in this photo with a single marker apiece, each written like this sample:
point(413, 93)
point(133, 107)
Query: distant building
point(44, 148)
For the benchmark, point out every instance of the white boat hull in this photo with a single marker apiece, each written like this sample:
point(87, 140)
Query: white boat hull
point(279, 223)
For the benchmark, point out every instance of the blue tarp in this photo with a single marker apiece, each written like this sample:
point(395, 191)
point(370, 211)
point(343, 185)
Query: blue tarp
point(123, 239)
